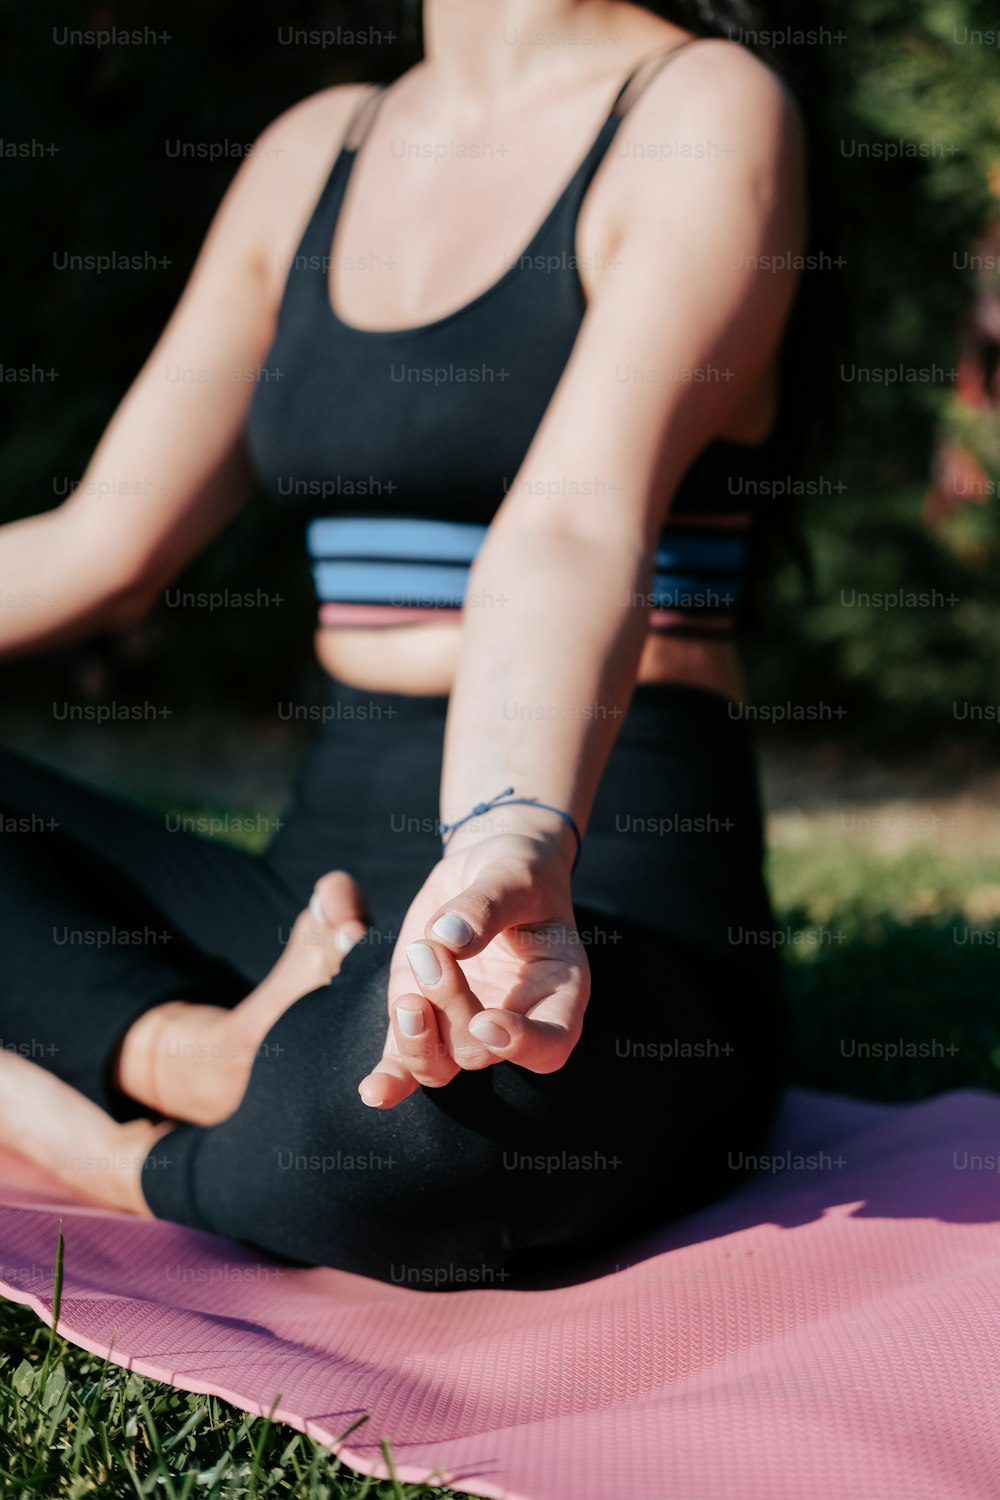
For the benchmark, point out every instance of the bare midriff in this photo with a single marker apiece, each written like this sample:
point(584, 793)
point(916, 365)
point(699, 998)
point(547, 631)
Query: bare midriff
point(421, 659)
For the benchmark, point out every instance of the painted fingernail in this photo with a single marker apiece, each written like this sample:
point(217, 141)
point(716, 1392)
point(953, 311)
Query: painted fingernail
point(487, 1032)
point(451, 928)
point(411, 1022)
point(423, 962)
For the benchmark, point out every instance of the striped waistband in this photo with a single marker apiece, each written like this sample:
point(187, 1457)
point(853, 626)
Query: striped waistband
point(387, 570)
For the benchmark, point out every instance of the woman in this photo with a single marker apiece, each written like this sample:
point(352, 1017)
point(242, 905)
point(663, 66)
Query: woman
point(545, 406)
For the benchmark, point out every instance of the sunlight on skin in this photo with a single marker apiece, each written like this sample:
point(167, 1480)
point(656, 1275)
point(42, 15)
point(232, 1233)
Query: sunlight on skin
point(523, 983)
point(189, 1062)
point(56, 1127)
point(193, 1061)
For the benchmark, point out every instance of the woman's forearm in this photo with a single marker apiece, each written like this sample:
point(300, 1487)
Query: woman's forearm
point(55, 586)
point(553, 630)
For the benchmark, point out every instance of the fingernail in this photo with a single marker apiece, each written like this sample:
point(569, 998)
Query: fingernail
point(411, 1022)
point(344, 939)
point(316, 909)
point(372, 1103)
point(423, 962)
point(487, 1032)
point(451, 928)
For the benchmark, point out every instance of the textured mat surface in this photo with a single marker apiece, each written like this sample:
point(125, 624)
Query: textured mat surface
point(830, 1332)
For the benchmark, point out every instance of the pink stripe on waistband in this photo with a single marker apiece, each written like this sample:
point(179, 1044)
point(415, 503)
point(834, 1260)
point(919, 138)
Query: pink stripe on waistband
point(391, 614)
point(378, 614)
point(665, 619)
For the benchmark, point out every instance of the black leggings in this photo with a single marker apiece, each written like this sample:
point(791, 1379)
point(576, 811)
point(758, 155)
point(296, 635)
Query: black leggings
point(108, 910)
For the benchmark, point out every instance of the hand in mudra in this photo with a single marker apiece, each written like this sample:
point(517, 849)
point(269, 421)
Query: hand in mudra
point(488, 967)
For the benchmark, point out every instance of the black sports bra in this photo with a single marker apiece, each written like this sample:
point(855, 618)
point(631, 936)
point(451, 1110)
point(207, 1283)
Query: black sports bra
point(397, 446)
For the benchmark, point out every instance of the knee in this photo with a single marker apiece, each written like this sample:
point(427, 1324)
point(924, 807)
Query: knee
point(408, 1196)
point(371, 1207)
point(305, 1170)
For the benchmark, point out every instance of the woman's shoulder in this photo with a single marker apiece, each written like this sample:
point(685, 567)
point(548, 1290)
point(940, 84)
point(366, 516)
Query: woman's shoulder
point(310, 131)
point(715, 119)
point(715, 80)
point(288, 166)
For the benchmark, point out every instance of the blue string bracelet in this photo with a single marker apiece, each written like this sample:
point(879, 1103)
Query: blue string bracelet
point(506, 798)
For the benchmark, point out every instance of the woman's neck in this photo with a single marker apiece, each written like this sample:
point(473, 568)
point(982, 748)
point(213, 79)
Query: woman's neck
point(482, 52)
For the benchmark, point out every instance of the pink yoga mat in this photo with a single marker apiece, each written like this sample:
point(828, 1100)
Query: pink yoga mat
point(830, 1332)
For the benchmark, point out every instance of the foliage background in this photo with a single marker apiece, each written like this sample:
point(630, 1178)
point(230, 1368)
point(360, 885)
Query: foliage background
point(915, 79)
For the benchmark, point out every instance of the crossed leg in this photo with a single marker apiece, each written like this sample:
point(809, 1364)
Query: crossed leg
point(185, 1061)
point(192, 1061)
point(291, 1159)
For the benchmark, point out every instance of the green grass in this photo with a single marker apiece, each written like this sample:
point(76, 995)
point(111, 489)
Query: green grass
point(878, 964)
point(872, 960)
point(73, 1425)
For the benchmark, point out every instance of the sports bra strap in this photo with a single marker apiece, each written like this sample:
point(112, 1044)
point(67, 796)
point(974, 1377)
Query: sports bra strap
point(361, 120)
point(644, 71)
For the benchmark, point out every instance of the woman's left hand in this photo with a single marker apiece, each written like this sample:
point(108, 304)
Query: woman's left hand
point(488, 967)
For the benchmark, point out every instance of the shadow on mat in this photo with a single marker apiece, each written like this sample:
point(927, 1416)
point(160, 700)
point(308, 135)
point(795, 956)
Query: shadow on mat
point(898, 1012)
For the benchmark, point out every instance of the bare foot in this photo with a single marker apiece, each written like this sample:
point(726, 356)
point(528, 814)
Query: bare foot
point(54, 1125)
point(192, 1062)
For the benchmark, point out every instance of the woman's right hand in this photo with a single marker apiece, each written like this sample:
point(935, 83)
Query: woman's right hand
point(489, 967)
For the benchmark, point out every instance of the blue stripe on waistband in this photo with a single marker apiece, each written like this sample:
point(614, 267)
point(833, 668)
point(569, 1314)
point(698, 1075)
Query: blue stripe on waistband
point(404, 540)
point(711, 595)
point(409, 585)
point(701, 552)
point(398, 539)
point(433, 585)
